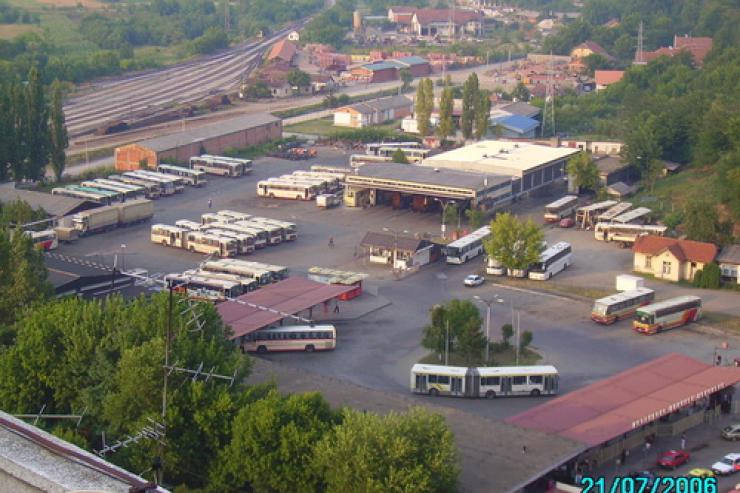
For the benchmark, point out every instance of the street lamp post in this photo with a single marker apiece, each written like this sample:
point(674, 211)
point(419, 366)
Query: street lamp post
point(488, 304)
point(444, 210)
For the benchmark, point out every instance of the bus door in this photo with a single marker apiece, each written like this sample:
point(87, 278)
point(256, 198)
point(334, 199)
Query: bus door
point(421, 383)
point(506, 385)
point(472, 383)
point(551, 384)
point(172, 239)
point(456, 385)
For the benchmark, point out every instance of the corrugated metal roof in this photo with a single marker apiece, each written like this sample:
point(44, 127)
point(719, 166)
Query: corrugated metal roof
point(210, 131)
point(54, 205)
point(411, 60)
point(518, 123)
point(373, 67)
point(421, 174)
point(730, 255)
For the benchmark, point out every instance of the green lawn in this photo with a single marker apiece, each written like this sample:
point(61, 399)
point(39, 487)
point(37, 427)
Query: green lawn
point(592, 292)
point(674, 191)
point(498, 358)
point(325, 126)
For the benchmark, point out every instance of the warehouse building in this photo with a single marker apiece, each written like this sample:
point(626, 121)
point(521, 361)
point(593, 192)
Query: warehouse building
point(237, 132)
point(529, 166)
point(54, 205)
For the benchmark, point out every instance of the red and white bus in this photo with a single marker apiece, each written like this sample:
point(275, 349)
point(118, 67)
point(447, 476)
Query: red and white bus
point(621, 305)
point(308, 338)
point(667, 314)
point(44, 240)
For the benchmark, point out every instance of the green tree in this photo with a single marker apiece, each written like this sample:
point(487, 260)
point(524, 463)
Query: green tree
point(710, 277)
point(469, 100)
point(460, 319)
point(525, 339)
point(299, 78)
point(424, 105)
point(482, 114)
point(450, 213)
point(514, 243)
point(701, 221)
point(520, 92)
point(507, 332)
point(399, 157)
point(406, 77)
point(594, 62)
point(58, 131)
point(37, 122)
point(583, 172)
point(446, 126)
point(378, 454)
point(475, 217)
point(652, 172)
point(7, 133)
point(641, 143)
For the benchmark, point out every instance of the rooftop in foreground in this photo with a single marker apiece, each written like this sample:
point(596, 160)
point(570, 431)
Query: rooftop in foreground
point(419, 174)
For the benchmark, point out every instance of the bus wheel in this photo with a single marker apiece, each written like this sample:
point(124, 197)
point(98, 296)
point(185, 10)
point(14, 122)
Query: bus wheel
point(310, 348)
point(298, 197)
point(535, 393)
point(262, 349)
point(272, 195)
point(164, 243)
point(192, 249)
point(490, 394)
point(433, 392)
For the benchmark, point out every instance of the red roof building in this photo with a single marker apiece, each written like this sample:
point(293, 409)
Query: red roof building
point(605, 78)
point(401, 15)
point(671, 259)
point(283, 51)
point(446, 22)
point(698, 47)
point(589, 48)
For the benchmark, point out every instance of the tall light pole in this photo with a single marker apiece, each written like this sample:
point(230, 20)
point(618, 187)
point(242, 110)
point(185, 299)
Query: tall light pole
point(395, 243)
point(488, 304)
point(444, 210)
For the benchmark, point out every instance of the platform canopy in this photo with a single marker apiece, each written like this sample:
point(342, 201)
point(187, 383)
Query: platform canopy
point(626, 401)
point(292, 296)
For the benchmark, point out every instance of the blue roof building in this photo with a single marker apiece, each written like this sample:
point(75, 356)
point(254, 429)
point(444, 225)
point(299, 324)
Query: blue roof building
point(516, 126)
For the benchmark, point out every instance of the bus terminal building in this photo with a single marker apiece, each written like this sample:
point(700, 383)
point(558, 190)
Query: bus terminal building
point(483, 175)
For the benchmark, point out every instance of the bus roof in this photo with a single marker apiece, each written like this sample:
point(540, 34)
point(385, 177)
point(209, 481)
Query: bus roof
point(562, 201)
point(297, 328)
point(632, 215)
point(598, 206)
point(624, 295)
point(447, 370)
point(492, 371)
point(554, 249)
point(169, 227)
point(632, 227)
point(614, 211)
point(469, 238)
point(668, 303)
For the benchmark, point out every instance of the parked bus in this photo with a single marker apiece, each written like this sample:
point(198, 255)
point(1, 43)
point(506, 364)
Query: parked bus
point(284, 189)
point(121, 192)
point(221, 165)
point(489, 381)
point(374, 147)
point(553, 260)
point(235, 215)
point(626, 234)
point(44, 240)
point(153, 190)
point(164, 234)
point(177, 182)
point(210, 244)
point(321, 184)
point(290, 230)
point(244, 241)
point(189, 225)
point(614, 211)
point(334, 170)
point(639, 214)
point(332, 182)
point(260, 235)
point(413, 155)
point(621, 305)
point(240, 268)
point(279, 272)
point(202, 288)
point(586, 215)
point(563, 207)
point(214, 217)
point(494, 267)
point(247, 285)
point(668, 314)
point(165, 187)
point(467, 247)
point(357, 160)
point(116, 185)
point(308, 338)
point(81, 194)
point(274, 233)
point(192, 177)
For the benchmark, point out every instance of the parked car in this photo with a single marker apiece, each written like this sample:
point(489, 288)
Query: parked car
point(473, 280)
point(731, 432)
point(567, 222)
point(729, 464)
point(671, 459)
point(701, 472)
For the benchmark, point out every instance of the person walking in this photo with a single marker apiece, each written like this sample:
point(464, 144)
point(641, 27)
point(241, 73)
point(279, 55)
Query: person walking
point(623, 457)
point(683, 441)
point(210, 203)
point(331, 242)
point(336, 308)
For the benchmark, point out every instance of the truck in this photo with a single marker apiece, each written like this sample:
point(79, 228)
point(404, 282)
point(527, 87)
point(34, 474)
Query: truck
point(66, 234)
point(112, 216)
point(328, 200)
point(134, 211)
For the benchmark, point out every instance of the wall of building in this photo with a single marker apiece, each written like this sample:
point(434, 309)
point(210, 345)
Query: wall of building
point(657, 265)
point(129, 157)
point(385, 75)
point(347, 118)
point(9, 482)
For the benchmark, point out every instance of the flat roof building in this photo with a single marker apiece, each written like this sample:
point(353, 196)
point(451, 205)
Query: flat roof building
point(531, 166)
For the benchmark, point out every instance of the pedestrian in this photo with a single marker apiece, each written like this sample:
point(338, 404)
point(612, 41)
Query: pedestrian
point(647, 446)
point(524, 449)
point(719, 360)
point(210, 203)
point(683, 441)
point(578, 478)
point(331, 242)
point(623, 457)
point(336, 308)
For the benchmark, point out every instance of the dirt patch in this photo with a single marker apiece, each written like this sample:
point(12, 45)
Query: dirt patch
point(10, 31)
point(88, 4)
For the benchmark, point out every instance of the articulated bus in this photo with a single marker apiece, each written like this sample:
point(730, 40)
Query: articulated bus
point(586, 215)
point(192, 177)
point(80, 194)
point(284, 189)
point(467, 247)
point(177, 182)
point(240, 268)
point(668, 314)
point(308, 338)
point(487, 381)
point(357, 160)
point(165, 188)
point(44, 240)
point(117, 185)
point(289, 230)
point(626, 234)
point(202, 288)
point(621, 305)
point(373, 148)
point(221, 165)
point(553, 260)
point(563, 207)
point(123, 192)
point(639, 214)
point(153, 190)
point(244, 241)
point(247, 285)
point(614, 211)
point(259, 235)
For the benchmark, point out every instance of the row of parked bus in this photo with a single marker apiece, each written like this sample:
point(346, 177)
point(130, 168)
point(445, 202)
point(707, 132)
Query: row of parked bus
point(221, 279)
point(225, 233)
point(649, 317)
point(301, 185)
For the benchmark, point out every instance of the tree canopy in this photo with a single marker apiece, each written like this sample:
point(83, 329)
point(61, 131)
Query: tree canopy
point(583, 171)
point(514, 243)
point(461, 321)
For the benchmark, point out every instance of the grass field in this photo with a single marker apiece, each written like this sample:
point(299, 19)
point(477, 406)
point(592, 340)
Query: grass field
point(88, 4)
point(499, 358)
point(674, 191)
point(10, 31)
point(325, 126)
point(591, 292)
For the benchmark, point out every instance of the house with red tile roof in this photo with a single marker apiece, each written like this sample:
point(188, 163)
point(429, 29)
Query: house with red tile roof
point(283, 51)
point(697, 47)
point(671, 259)
point(446, 22)
point(589, 48)
point(605, 78)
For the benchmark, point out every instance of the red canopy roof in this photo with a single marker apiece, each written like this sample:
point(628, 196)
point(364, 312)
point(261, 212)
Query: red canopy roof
point(293, 295)
point(628, 400)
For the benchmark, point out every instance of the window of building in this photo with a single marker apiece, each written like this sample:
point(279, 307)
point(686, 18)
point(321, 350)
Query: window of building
point(648, 261)
point(666, 267)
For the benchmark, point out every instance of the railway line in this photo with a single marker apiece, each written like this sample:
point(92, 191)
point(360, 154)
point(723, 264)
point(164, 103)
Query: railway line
point(146, 93)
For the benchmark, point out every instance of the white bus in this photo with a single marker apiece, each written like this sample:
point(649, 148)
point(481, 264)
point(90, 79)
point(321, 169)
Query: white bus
point(467, 247)
point(247, 285)
point(332, 182)
point(260, 236)
point(639, 214)
point(621, 305)
point(164, 234)
point(44, 240)
point(308, 338)
point(494, 267)
point(221, 165)
point(240, 268)
point(202, 288)
point(82, 194)
point(279, 272)
point(321, 184)
point(187, 224)
point(197, 241)
point(290, 230)
point(614, 211)
point(192, 177)
point(374, 147)
point(626, 234)
point(357, 160)
point(165, 187)
point(177, 182)
point(668, 314)
point(287, 190)
point(274, 232)
point(553, 260)
point(487, 381)
point(126, 193)
point(334, 170)
point(153, 190)
point(244, 241)
point(413, 155)
point(586, 215)
point(235, 215)
point(563, 207)
point(214, 217)
point(115, 185)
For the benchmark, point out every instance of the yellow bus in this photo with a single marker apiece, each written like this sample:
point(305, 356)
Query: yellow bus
point(308, 338)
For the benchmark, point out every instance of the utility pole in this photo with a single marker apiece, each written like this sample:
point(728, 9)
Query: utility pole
point(518, 338)
point(227, 17)
point(447, 343)
point(639, 59)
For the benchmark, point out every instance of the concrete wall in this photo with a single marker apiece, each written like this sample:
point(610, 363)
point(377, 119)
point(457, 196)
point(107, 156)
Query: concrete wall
point(9, 482)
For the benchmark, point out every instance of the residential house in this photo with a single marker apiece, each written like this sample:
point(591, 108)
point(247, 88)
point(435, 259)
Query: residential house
point(729, 262)
point(514, 126)
point(401, 15)
point(279, 88)
point(697, 47)
point(375, 72)
point(402, 252)
point(545, 26)
point(605, 78)
point(671, 259)
point(294, 36)
point(374, 112)
point(583, 50)
point(418, 66)
point(602, 147)
point(517, 108)
point(446, 23)
point(282, 51)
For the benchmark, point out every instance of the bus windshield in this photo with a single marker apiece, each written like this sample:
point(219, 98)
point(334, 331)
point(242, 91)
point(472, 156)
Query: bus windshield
point(645, 318)
point(600, 308)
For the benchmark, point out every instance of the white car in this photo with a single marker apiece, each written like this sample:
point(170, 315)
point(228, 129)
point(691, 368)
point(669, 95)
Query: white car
point(473, 280)
point(729, 464)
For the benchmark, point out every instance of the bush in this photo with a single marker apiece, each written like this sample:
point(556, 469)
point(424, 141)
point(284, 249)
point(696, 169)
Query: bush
point(709, 278)
point(697, 278)
point(673, 219)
